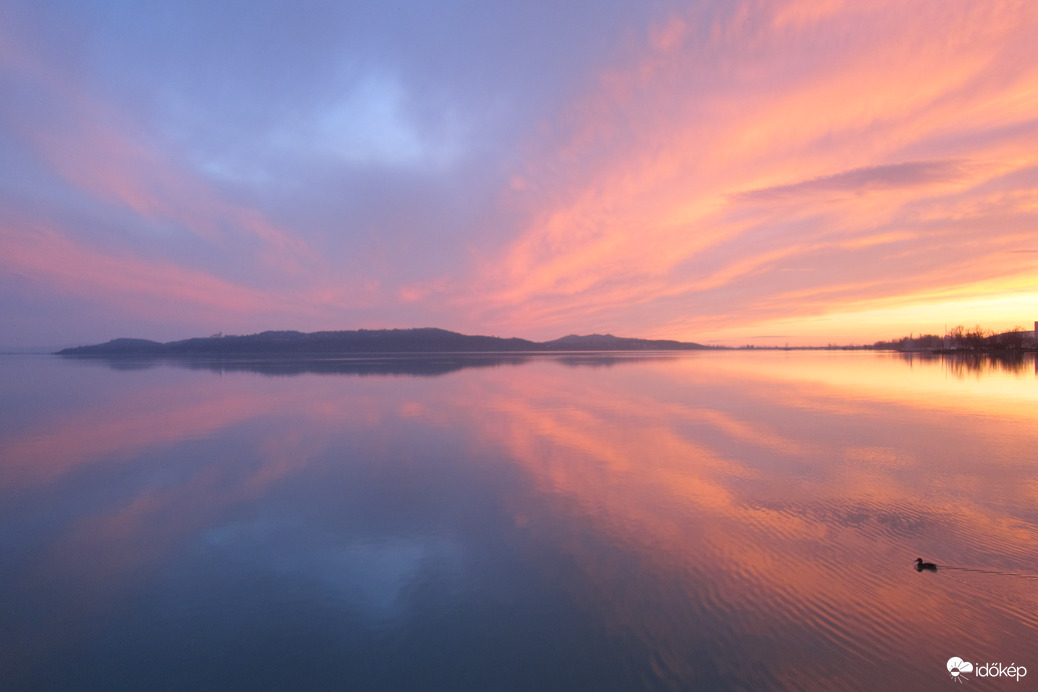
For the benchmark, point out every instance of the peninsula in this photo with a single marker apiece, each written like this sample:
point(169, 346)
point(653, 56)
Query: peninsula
point(333, 343)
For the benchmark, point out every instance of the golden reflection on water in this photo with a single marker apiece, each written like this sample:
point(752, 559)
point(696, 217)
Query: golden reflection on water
point(751, 516)
point(780, 491)
point(978, 384)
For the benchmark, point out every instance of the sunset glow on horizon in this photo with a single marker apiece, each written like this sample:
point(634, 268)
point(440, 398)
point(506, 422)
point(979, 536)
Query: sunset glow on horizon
point(764, 172)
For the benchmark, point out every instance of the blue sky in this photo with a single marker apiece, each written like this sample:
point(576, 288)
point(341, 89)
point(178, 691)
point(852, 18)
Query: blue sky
point(737, 172)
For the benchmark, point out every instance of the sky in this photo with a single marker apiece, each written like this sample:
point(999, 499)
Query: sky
point(726, 172)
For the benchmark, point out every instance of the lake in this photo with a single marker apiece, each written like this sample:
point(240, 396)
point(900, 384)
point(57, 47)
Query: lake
point(704, 520)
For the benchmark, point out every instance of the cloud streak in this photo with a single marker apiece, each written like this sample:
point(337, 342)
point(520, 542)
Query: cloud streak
point(859, 181)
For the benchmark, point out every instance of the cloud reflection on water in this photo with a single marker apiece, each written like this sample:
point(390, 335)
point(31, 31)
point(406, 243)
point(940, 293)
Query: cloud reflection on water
point(730, 516)
point(759, 495)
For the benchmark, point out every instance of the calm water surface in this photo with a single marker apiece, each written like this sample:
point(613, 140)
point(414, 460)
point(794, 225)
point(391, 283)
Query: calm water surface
point(744, 521)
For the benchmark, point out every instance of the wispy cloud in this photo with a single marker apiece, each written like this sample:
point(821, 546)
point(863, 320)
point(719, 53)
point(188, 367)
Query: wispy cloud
point(123, 280)
point(860, 181)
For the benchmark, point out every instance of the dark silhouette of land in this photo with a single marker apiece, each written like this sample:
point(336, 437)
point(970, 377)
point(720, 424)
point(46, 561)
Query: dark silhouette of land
point(329, 344)
point(960, 339)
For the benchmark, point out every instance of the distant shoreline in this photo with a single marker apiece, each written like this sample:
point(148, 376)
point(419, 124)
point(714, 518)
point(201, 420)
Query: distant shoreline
point(288, 344)
point(382, 341)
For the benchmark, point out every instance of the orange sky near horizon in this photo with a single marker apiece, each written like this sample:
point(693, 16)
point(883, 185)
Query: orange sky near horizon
point(823, 173)
point(768, 172)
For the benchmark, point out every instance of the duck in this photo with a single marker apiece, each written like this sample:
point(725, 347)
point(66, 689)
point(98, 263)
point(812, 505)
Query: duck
point(921, 566)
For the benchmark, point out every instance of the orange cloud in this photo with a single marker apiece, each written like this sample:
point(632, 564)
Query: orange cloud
point(885, 142)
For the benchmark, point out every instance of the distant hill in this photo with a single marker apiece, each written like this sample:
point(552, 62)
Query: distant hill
point(608, 342)
point(425, 340)
point(118, 347)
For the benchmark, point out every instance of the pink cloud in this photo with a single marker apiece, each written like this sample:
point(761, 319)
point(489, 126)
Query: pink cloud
point(49, 259)
point(731, 165)
point(735, 153)
point(92, 145)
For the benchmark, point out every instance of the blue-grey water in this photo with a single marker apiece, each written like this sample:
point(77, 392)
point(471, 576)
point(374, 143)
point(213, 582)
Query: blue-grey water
point(729, 521)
